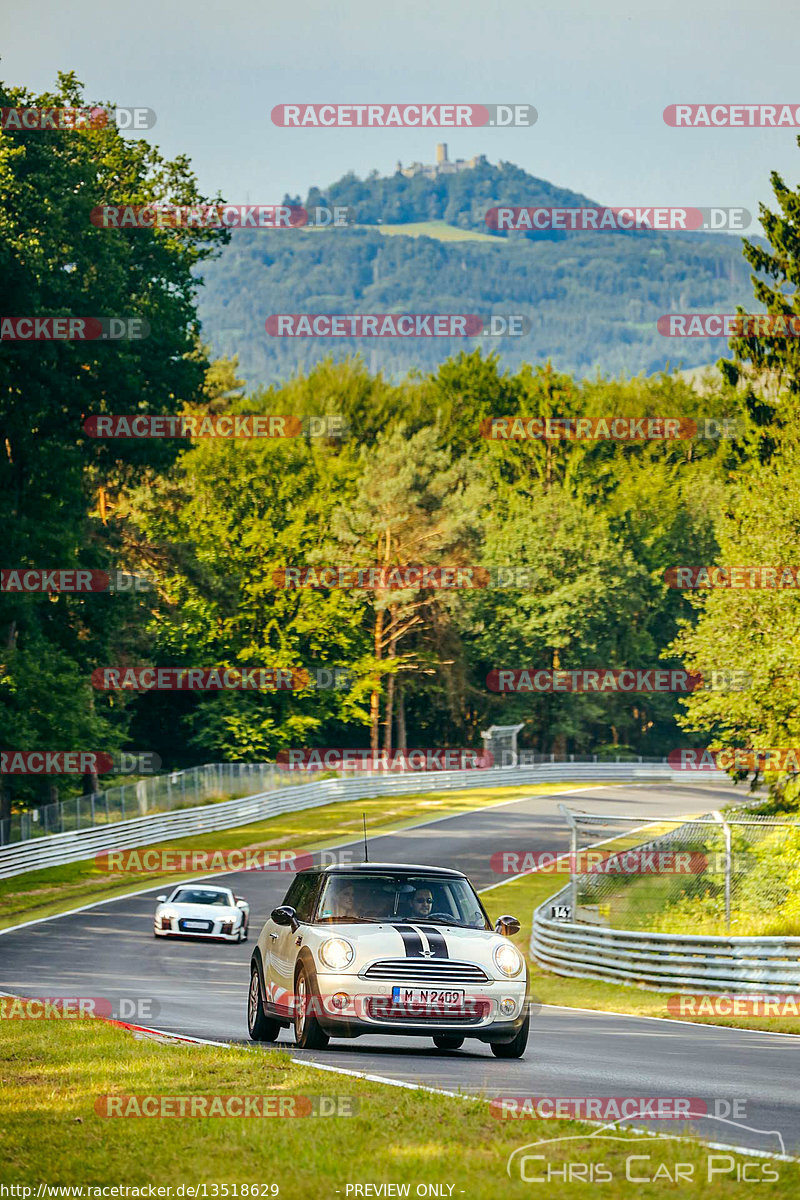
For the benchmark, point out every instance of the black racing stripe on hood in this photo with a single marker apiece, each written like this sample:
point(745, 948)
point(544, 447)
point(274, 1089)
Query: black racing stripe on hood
point(436, 942)
point(411, 941)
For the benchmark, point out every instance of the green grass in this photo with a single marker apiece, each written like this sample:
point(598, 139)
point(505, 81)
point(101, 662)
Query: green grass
point(53, 890)
point(439, 230)
point(52, 1073)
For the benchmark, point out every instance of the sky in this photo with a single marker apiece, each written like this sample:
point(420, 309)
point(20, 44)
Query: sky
point(599, 75)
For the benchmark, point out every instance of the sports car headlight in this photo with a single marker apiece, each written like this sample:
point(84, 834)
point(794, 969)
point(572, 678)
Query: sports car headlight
point(507, 959)
point(336, 953)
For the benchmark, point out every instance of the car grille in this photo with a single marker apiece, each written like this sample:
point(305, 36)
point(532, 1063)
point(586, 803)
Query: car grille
point(425, 971)
point(195, 926)
point(378, 1008)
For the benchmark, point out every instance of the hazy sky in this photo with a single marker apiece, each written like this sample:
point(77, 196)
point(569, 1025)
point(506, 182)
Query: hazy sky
point(599, 74)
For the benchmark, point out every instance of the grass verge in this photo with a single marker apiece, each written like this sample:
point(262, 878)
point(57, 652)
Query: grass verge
point(52, 1074)
point(53, 890)
point(521, 896)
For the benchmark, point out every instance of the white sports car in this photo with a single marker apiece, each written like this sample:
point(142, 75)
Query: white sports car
point(382, 948)
point(199, 910)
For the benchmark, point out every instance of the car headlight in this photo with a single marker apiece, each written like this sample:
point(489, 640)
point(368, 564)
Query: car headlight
point(169, 913)
point(336, 953)
point(507, 959)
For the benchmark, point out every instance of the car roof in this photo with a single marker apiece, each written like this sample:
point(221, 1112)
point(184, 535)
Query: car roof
point(380, 868)
point(202, 887)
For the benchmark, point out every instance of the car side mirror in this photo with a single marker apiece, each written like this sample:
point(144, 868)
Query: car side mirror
point(161, 899)
point(240, 901)
point(507, 926)
point(285, 915)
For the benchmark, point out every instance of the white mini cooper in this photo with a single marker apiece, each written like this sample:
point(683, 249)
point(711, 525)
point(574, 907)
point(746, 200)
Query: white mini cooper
point(387, 949)
point(200, 910)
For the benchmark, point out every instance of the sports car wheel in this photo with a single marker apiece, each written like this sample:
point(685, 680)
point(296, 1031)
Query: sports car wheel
point(259, 1026)
point(308, 1033)
point(445, 1042)
point(515, 1048)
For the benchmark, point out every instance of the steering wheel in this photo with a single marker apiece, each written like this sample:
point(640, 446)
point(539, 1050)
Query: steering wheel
point(446, 917)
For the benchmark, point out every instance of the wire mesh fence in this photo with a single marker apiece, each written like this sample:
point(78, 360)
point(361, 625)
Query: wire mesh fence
point(156, 793)
point(717, 873)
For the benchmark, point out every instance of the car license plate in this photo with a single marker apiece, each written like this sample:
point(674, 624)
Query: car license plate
point(195, 924)
point(437, 997)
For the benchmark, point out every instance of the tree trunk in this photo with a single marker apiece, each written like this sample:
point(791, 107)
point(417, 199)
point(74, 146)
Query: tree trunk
point(375, 697)
point(391, 688)
point(90, 783)
point(5, 810)
point(401, 717)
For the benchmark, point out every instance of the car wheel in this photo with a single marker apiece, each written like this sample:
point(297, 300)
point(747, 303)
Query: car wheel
point(259, 1026)
point(516, 1047)
point(446, 1042)
point(308, 1033)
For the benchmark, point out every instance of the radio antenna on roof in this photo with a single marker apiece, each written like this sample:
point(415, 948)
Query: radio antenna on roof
point(364, 819)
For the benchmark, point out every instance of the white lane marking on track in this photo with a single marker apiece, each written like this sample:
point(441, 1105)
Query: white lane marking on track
point(421, 1087)
point(606, 1012)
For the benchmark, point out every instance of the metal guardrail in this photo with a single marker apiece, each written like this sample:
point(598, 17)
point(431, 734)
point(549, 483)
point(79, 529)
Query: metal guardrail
point(663, 961)
point(155, 793)
point(78, 845)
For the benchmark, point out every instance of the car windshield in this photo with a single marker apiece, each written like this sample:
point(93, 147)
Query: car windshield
point(200, 896)
point(419, 898)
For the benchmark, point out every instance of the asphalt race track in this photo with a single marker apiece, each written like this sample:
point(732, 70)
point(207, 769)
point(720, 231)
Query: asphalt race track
point(200, 988)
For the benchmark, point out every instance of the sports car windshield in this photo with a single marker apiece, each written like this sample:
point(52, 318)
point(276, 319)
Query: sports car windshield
point(199, 896)
point(419, 898)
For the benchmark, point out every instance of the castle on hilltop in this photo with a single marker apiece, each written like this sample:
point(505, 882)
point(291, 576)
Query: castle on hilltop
point(442, 166)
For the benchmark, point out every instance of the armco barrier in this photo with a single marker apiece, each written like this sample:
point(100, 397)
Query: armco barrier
point(62, 848)
point(664, 961)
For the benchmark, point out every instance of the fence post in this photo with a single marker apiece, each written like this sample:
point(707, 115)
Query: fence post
point(573, 860)
point(726, 831)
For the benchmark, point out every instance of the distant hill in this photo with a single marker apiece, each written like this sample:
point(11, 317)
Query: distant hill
point(593, 299)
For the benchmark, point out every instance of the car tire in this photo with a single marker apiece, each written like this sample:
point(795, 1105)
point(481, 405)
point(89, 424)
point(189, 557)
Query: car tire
point(259, 1026)
point(516, 1047)
point(445, 1041)
point(308, 1033)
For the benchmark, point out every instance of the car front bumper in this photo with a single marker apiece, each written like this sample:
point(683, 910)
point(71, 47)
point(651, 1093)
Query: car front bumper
point(369, 1009)
point(214, 934)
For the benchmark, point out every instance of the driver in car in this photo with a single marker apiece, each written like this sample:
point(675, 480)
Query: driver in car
point(421, 904)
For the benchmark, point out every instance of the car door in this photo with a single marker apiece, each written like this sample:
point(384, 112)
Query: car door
point(284, 943)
